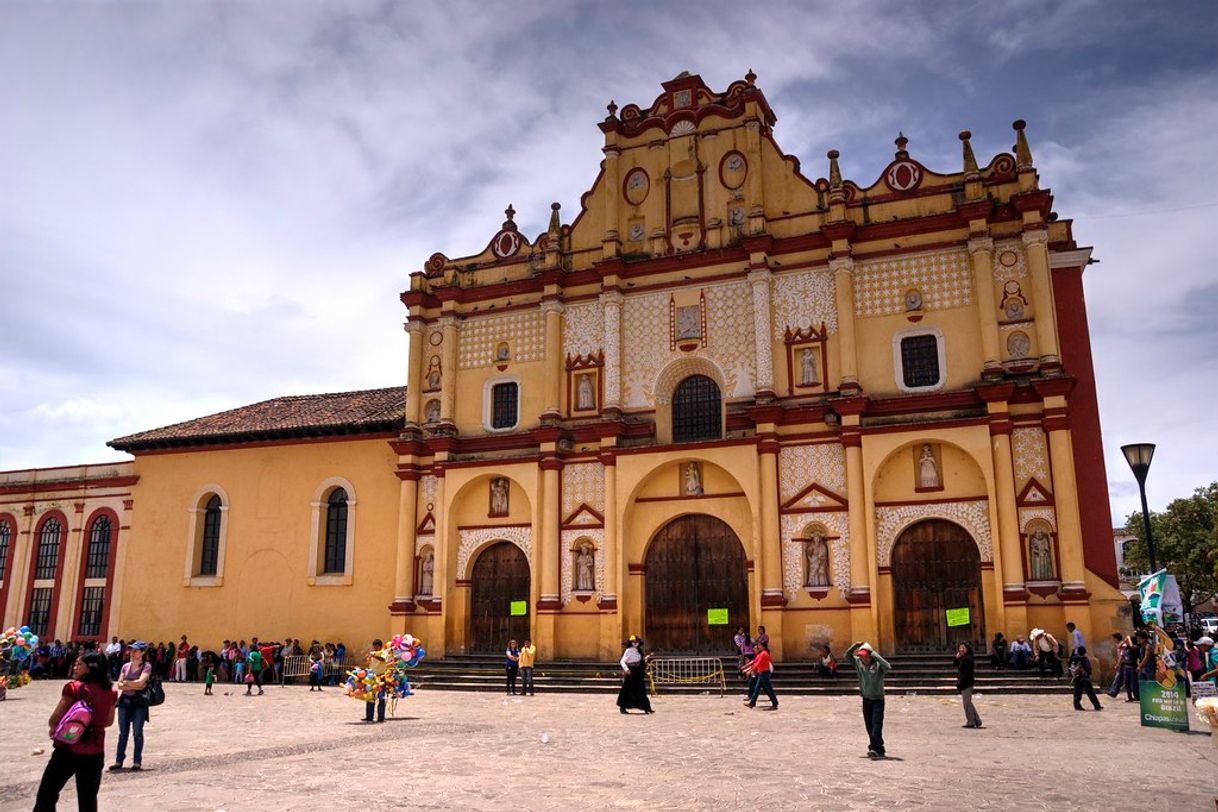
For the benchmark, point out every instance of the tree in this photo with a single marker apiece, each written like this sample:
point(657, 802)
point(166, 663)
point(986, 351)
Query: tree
point(1186, 544)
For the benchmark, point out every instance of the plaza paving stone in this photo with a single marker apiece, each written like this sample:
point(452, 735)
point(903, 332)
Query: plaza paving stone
point(292, 749)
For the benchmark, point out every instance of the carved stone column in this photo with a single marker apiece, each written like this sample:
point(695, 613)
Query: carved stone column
point(1037, 245)
point(414, 371)
point(403, 580)
point(448, 372)
point(613, 189)
point(553, 310)
point(611, 300)
point(843, 279)
point(981, 250)
point(763, 347)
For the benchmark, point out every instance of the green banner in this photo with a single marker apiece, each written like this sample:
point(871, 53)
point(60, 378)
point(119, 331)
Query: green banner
point(958, 617)
point(1163, 707)
point(520, 608)
point(716, 617)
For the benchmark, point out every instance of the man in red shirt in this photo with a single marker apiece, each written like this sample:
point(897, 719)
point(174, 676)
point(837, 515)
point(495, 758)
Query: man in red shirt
point(763, 668)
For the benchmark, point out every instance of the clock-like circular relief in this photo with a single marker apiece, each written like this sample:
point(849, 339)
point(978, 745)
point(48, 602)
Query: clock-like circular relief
point(636, 186)
point(435, 338)
point(1008, 259)
point(913, 299)
point(505, 244)
point(733, 169)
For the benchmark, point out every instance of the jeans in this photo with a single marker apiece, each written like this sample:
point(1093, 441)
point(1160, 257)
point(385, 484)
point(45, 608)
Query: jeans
point(970, 713)
point(63, 765)
point(1019, 659)
point(526, 680)
point(130, 716)
point(380, 710)
point(763, 682)
point(873, 718)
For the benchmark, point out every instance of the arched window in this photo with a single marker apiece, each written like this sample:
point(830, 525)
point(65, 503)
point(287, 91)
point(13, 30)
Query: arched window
point(48, 550)
point(5, 535)
point(210, 551)
point(336, 532)
point(99, 548)
point(697, 410)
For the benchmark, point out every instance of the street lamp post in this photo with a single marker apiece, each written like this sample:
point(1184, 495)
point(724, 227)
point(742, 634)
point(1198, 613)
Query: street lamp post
point(1138, 456)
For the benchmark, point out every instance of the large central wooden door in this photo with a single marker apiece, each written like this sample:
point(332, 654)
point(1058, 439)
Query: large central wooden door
point(694, 563)
point(500, 578)
point(936, 567)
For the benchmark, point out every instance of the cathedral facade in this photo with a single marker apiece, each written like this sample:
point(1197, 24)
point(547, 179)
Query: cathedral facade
point(723, 394)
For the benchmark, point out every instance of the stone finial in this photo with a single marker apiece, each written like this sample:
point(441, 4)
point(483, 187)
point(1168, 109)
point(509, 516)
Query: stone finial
point(554, 224)
point(750, 77)
point(612, 108)
point(509, 224)
point(901, 141)
point(835, 173)
point(970, 160)
point(1023, 153)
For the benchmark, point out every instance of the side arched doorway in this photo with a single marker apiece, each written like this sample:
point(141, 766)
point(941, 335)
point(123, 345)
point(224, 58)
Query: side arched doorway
point(936, 567)
point(694, 564)
point(500, 578)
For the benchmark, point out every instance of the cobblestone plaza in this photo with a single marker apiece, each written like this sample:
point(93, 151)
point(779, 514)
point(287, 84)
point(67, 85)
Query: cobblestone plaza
point(292, 749)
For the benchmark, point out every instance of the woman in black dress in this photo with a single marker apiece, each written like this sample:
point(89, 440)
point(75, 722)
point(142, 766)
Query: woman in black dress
point(634, 678)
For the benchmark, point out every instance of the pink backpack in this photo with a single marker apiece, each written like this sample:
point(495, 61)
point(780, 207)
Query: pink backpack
point(74, 725)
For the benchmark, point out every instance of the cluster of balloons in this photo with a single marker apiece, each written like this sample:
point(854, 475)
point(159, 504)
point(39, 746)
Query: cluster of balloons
point(385, 675)
point(18, 644)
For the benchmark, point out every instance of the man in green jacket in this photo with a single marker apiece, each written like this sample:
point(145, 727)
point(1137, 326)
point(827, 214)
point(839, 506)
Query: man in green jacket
point(871, 669)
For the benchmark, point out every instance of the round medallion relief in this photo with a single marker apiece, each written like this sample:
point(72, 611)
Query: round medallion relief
point(733, 169)
point(1008, 259)
point(505, 244)
point(636, 186)
point(903, 176)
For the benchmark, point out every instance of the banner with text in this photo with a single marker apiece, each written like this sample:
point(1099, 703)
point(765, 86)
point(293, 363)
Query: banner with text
point(1163, 707)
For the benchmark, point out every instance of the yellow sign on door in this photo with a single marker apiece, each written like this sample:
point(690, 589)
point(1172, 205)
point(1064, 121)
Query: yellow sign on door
point(958, 617)
point(716, 617)
point(520, 608)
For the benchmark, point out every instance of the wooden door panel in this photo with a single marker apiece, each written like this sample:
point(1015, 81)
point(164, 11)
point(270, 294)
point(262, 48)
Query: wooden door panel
point(500, 576)
point(935, 567)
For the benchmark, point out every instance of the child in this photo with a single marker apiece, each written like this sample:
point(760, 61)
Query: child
point(209, 677)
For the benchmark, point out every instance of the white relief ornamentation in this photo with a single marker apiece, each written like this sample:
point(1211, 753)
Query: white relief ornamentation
point(1030, 453)
point(804, 299)
point(597, 536)
point(762, 348)
point(802, 465)
point(475, 537)
point(943, 278)
point(1029, 515)
point(583, 484)
point(611, 331)
point(583, 329)
point(792, 528)
point(972, 516)
point(1008, 260)
point(524, 333)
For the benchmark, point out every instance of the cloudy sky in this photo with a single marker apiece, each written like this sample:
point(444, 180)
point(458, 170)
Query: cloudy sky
point(209, 204)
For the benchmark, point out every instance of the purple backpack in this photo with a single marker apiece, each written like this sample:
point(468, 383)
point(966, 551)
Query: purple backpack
point(74, 725)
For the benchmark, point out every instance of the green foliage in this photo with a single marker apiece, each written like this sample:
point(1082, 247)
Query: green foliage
point(1186, 544)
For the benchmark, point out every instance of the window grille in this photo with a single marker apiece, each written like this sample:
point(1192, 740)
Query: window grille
point(99, 548)
point(40, 611)
point(920, 361)
point(210, 552)
point(336, 532)
point(505, 405)
point(91, 611)
point(696, 410)
point(48, 550)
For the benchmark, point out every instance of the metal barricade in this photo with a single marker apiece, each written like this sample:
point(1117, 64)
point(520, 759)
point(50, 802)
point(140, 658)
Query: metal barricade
point(298, 666)
point(687, 671)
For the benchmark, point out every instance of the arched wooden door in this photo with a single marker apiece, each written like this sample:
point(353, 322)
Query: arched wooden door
point(695, 563)
point(500, 578)
point(936, 567)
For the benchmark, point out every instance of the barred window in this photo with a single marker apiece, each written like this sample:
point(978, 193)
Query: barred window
point(920, 361)
point(48, 550)
point(40, 610)
point(99, 548)
point(91, 611)
point(210, 552)
point(5, 534)
point(505, 405)
point(336, 532)
point(696, 410)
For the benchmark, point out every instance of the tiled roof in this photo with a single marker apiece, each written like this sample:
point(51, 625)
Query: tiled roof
point(364, 412)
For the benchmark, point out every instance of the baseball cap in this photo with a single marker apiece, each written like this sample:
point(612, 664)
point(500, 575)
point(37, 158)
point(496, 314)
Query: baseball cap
point(1205, 641)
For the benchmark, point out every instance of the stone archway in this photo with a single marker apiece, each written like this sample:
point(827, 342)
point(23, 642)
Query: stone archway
point(936, 567)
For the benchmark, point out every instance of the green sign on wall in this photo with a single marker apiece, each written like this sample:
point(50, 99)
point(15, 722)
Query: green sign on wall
point(716, 617)
point(957, 617)
point(520, 608)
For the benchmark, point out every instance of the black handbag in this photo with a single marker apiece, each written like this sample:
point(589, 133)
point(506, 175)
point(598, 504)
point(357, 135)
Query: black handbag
point(152, 693)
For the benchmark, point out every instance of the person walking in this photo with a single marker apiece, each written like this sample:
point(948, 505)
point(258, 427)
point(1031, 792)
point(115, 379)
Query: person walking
point(633, 693)
point(377, 662)
point(1120, 647)
point(528, 653)
point(83, 759)
point(761, 669)
point(254, 661)
point(132, 709)
point(871, 669)
point(511, 666)
point(965, 679)
point(1080, 673)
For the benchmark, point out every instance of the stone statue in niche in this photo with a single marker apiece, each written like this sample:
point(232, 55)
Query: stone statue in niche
point(427, 569)
point(807, 367)
point(432, 411)
point(1019, 345)
point(1041, 557)
point(585, 578)
point(499, 496)
point(433, 374)
point(585, 396)
point(928, 469)
point(692, 479)
point(816, 556)
point(502, 353)
point(689, 322)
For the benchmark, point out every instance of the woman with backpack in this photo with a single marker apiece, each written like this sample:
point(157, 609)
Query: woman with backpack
point(78, 733)
point(132, 707)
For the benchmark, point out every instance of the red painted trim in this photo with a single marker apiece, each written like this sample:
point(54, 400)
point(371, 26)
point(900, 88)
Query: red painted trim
point(936, 424)
point(56, 589)
point(788, 506)
point(682, 498)
point(70, 485)
point(495, 525)
point(205, 446)
point(108, 590)
point(944, 500)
